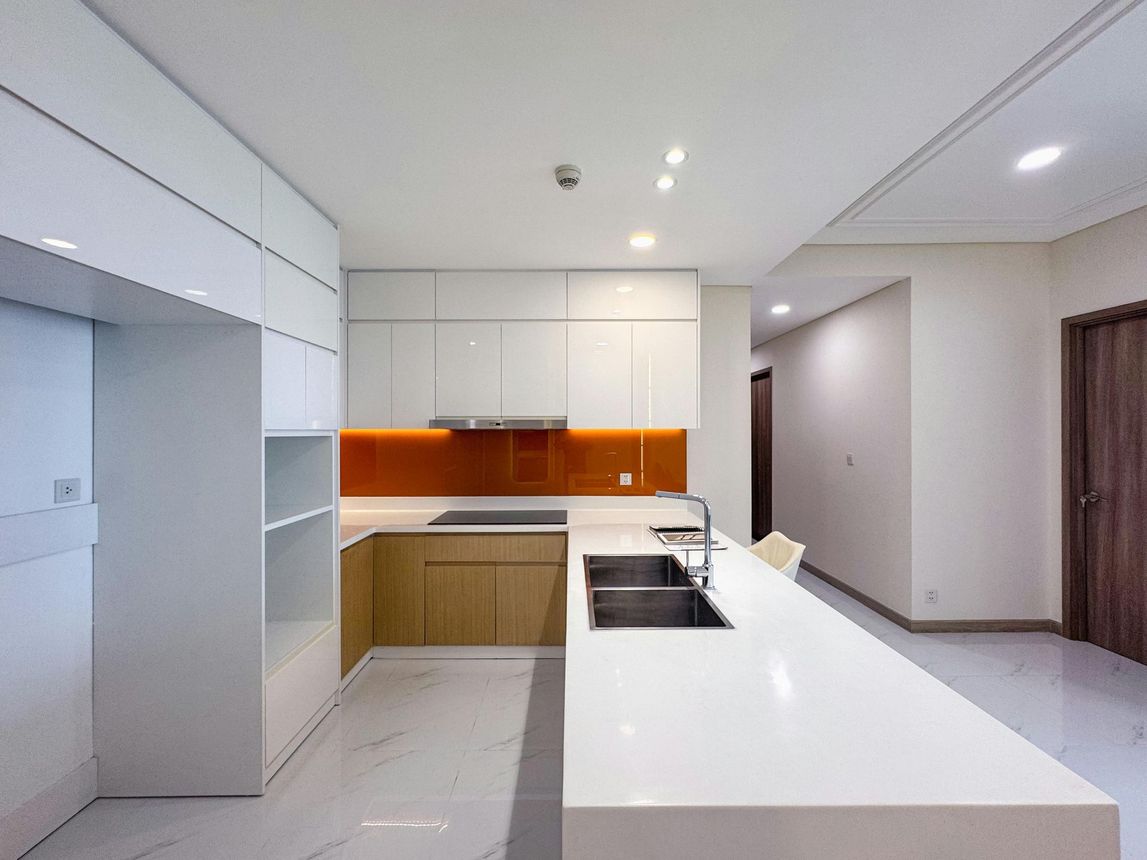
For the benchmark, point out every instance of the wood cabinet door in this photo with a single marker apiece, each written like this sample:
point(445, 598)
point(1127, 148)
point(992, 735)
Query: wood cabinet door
point(531, 604)
point(460, 604)
point(357, 615)
point(399, 590)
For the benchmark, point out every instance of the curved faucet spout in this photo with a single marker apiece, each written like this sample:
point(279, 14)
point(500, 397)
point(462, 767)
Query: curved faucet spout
point(705, 570)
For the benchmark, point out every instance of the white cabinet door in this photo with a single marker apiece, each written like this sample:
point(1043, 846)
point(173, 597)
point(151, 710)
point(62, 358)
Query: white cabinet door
point(412, 375)
point(663, 295)
point(534, 369)
point(368, 374)
point(284, 382)
point(501, 295)
point(299, 305)
point(468, 369)
point(297, 231)
point(600, 364)
point(665, 374)
point(390, 295)
point(322, 385)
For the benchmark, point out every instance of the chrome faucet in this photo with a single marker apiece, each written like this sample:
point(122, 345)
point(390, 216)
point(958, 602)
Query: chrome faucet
point(705, 569)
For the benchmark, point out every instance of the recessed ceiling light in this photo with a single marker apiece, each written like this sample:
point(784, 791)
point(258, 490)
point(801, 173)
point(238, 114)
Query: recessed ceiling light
point(195, 292)
point(665, 182)
point(781, 309)
point(602, 343)
point(59, 243)
point(675, 156)
point(625, 288)
point(473, 343)
point(642, 240)
point(1038, 158)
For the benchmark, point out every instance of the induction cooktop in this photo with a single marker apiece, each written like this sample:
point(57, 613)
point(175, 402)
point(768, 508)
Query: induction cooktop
point(500, 518)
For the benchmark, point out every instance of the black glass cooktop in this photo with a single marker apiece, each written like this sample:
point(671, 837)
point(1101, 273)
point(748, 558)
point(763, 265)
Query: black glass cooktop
point(500, 518)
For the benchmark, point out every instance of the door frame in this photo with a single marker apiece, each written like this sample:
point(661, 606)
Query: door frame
point(768, 488)
point(1074, 464)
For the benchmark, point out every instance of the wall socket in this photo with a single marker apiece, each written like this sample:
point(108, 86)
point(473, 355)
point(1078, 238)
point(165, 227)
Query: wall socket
point(848, 459)
point(67, 490)
point(931, 595)
point(626, 479)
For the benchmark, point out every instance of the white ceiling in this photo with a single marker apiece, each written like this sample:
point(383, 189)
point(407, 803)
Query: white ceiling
point(430, 130)
point(809, 298)
point(1089, 96)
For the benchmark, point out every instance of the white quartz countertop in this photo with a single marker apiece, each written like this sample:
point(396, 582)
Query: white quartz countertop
point(797, 723)
point(356, 525)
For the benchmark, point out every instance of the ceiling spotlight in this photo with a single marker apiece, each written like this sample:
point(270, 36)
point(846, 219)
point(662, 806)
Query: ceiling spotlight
point(1038, 158)
point(675, 156)
point(664, 183)
point(642, 240)
point(59, 243)
point(781, 309)
point(625, 288)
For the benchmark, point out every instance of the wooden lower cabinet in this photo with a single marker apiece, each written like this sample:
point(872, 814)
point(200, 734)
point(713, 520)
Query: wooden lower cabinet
point(531, 604)
point(399, 590)
point(460, 604)
point(357, 603)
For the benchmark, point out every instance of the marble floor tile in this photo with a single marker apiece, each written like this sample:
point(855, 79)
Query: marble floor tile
point(1080, 704)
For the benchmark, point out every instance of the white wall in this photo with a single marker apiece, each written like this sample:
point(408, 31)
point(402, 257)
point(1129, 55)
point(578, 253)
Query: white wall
point(1100, 267)
point(979, 431)
point(719, 453)
point(842, 384)
point(46, 602)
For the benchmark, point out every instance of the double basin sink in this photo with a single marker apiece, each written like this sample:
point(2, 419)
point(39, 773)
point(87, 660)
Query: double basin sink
point(646, 592)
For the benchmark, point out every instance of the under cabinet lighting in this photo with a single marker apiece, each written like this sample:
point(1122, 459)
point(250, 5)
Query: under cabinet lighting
point(664, 183)
point(675, 156)
point(781, 309)
point(59, 243)
point(642, 240)
point(1038, 158)
point(196, 292)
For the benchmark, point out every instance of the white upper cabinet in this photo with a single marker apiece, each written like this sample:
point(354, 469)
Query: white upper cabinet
point(644, 295)
point(468, 369)
point(368, 354)
point(412, 375)
point(298, 232)
point(298, 305)
point(57, 185)
point(390, 295)
point(284, 382)
point(60, 57)
point(501, 295)
point(533, 369)
point(600, 365)
point(322, 384)
point(665, 374)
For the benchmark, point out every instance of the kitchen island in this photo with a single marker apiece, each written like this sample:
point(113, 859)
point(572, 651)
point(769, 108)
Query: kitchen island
point(794, 734)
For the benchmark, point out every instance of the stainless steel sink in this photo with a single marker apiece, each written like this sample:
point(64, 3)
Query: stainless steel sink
point(646, 592)
point(635, 571)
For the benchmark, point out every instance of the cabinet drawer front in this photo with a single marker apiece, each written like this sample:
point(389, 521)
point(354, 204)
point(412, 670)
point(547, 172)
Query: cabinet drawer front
point(297, 690)
point(518, 547)
point(531, 604)
point(460, 605)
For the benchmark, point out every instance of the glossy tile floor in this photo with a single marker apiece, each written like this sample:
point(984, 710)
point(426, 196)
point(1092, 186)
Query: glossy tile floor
point(424, 759)
point(1085, 706)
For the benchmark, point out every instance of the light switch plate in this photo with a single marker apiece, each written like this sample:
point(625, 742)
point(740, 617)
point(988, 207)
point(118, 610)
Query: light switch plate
point(67, 490)
point(627, 479)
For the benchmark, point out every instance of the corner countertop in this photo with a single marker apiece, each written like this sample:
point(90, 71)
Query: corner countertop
point(357, 525)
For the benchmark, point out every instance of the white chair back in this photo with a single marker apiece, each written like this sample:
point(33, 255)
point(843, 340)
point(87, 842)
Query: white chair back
point(777, 550)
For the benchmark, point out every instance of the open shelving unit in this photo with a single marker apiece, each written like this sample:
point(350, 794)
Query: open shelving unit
point(299, 598)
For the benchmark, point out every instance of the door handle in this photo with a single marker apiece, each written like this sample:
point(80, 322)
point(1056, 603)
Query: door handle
point(1090, 497)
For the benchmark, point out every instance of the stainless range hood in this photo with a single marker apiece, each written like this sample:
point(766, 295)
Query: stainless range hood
point(497, 423)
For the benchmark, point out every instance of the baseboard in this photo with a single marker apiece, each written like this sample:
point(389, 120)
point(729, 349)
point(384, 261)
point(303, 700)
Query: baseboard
point(35, 819)
point(983, 625)
point(355, 669)
point(859, 596)
point(469, 652)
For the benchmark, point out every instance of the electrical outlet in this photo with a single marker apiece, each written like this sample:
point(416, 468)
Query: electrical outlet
point(848, 459)
point(67, 490)
point(626, 479)
point(931, 595)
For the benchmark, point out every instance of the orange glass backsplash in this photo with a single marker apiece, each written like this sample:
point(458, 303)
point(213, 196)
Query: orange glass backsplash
point(511, 462)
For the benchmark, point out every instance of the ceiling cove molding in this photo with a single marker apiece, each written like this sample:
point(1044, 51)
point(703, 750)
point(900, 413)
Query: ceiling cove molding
point(1075, 37)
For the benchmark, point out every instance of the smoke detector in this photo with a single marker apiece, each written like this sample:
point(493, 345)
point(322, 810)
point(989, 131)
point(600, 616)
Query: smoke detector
point(568, 176)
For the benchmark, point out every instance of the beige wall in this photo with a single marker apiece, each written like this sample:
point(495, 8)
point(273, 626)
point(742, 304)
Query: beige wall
point(979, 431)
point(719, 452)
point(842, 384)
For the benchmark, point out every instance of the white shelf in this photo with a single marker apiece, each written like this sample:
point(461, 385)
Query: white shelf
point(284, 515)
point(299, 476)
point(284, 637)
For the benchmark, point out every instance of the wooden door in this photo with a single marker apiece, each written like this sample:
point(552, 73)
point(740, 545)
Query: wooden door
point(531, 604)
point(762, 448)
point(399, 593)
point(357, 599)
point(1114, 489)
point(460, 604)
